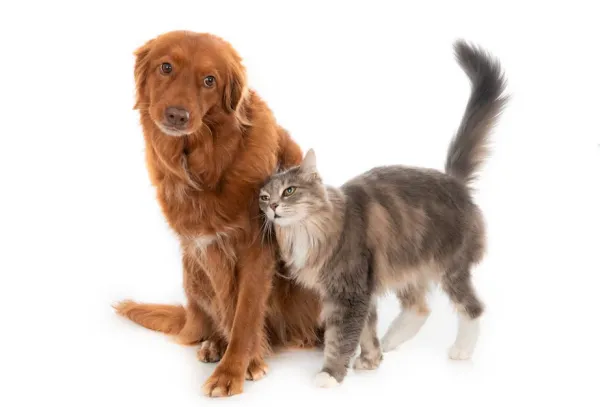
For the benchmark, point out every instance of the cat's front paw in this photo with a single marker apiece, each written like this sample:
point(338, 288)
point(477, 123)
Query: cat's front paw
point(368, 363)
point(325, 380)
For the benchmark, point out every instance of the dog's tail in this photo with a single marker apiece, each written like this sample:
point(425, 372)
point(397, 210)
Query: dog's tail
point(168, 319)
point(469, 147)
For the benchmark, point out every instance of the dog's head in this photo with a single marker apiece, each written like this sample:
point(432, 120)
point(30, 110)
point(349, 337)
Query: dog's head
point(184, 79)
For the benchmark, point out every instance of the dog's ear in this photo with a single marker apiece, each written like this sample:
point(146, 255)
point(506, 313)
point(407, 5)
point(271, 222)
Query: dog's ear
point(235, 87)
point(140, 72)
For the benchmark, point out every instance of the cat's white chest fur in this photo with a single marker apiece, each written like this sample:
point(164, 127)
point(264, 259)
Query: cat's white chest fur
point(300, 248)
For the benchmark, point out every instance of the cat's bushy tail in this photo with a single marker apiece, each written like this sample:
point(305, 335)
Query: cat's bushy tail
point(469, 147)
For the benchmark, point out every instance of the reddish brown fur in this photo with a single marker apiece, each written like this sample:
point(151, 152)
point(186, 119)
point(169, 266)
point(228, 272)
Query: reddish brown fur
point(207, 184)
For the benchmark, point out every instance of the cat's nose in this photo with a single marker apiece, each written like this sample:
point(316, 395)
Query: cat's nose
point(274, 205)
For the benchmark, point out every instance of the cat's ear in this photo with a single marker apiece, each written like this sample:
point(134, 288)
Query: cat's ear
point(309, 163)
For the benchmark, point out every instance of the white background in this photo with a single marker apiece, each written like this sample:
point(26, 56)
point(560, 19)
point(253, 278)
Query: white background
point(364, 83)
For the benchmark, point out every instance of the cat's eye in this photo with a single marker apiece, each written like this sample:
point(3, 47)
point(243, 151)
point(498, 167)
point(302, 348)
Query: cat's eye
point(264, 198)
point(289, 191)
point(166, 68)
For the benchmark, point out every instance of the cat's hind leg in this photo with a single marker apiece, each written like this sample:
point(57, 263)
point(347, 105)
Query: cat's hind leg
point(457, 283)
point(413, 316)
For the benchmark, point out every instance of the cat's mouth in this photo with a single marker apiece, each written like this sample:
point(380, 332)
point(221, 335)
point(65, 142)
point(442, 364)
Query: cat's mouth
point(275, 216)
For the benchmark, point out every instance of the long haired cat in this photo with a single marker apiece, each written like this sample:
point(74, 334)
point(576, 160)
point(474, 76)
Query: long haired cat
point(391, 228)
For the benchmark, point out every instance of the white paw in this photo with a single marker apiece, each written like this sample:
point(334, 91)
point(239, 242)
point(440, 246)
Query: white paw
point(403, 327)
point(457, 353)
point(325, 380)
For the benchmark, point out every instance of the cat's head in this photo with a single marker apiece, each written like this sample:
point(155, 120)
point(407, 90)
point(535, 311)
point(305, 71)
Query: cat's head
point(294, 195)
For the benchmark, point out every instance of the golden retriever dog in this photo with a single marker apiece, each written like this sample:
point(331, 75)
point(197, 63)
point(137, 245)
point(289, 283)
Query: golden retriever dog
point(210, 145)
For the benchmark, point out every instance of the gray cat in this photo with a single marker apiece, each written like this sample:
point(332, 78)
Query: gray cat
point(390, 229)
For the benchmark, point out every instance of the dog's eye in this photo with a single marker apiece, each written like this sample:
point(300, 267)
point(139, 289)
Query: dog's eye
point(264, 198)
point(289, 191)
point(166, 68)
point(209, 81)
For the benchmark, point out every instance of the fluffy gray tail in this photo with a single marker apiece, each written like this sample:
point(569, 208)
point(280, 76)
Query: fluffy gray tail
point(469, 147)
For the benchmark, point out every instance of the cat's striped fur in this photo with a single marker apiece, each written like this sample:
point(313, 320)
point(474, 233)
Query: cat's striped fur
point(393, 228)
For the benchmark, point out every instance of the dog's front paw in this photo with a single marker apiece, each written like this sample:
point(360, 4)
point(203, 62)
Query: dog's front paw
point(257, 369)
point(223, 383)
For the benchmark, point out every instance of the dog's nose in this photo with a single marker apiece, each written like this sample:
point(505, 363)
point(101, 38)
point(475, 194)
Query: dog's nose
point(274, 205)
point(177, 116)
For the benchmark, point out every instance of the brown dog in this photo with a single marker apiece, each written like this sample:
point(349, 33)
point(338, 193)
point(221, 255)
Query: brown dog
point(210, 144)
